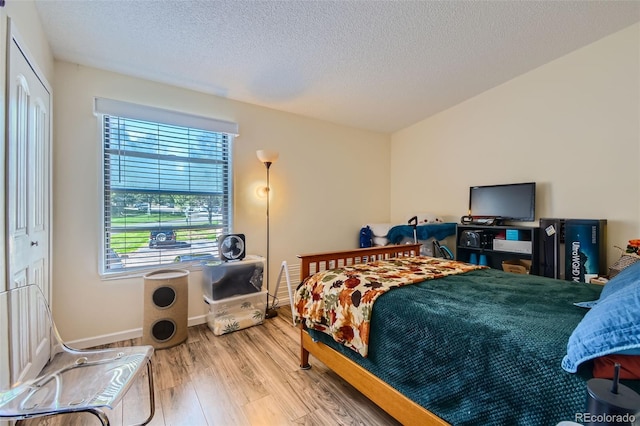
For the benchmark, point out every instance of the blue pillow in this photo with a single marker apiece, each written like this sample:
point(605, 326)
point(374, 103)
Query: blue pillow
point(612, 326)
point(628, 276)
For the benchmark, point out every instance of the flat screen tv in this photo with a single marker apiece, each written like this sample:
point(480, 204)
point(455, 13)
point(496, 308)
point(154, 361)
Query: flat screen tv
point(516, 201)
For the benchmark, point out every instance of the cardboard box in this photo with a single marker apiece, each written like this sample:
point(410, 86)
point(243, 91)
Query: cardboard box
point(584, 254)
point(599, 281)
point(517, 266)
point(512, 246)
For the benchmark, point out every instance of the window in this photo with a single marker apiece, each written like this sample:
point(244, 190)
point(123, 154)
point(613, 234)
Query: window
point(167, 186)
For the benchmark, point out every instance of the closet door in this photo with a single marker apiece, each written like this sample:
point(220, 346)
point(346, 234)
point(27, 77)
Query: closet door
point(27, 189)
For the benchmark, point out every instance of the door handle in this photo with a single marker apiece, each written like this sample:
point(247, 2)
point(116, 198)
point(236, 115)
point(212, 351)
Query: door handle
point(34, 243)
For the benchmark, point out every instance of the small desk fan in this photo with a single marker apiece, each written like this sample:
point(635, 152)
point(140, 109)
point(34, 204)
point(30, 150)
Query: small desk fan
point(231, 247)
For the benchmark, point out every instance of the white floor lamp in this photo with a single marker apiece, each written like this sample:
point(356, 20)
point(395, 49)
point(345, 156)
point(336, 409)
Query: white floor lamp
point(268, 158)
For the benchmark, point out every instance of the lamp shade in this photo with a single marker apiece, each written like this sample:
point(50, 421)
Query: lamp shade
point(267, 156)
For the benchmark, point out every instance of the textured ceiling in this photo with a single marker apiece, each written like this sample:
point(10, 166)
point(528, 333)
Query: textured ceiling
point(377, 65)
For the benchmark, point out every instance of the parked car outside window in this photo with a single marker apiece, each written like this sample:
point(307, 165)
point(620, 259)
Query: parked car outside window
point(165, 237)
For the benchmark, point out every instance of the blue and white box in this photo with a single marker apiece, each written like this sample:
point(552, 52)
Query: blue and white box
point(513, 234)
point(584, 249)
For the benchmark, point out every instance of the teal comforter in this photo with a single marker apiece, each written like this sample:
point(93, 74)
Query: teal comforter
point(483, 347)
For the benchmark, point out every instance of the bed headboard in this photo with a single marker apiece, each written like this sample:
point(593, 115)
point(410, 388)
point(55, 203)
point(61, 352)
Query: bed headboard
point(316, 262)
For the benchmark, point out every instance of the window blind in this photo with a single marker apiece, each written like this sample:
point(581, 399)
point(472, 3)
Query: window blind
point(167, 192)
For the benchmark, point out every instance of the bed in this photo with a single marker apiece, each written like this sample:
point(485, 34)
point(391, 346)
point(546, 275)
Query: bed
point(487, 353)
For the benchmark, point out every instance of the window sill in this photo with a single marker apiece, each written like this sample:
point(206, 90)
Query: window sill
point(139, 273)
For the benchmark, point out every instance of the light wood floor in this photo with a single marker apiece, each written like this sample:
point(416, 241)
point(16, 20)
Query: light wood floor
point(249, 377)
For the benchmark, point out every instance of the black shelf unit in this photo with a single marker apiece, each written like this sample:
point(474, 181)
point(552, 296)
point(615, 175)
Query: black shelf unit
point(485, 244)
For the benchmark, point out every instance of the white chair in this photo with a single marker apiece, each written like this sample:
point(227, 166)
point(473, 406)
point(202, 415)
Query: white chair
point(71, 380)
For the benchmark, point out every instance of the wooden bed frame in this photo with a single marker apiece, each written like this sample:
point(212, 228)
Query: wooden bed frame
point(386, 397)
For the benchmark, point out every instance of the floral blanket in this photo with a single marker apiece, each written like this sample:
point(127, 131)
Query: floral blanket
point(339, 301)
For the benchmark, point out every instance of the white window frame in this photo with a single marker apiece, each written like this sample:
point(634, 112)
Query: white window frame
point(125, 110)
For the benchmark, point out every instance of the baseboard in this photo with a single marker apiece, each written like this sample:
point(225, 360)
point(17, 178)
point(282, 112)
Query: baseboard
point(107, 339)
point(200, 319)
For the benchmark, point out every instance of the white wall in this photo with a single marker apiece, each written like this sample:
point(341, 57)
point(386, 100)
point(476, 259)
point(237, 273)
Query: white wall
point(26, 18)
point(324, 190)
point(572, 126)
